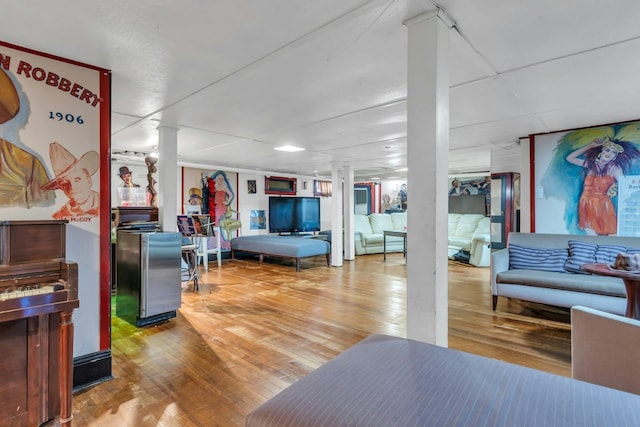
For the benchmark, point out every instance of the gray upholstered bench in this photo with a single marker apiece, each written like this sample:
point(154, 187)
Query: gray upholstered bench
point(282, 246)
point(389, 381)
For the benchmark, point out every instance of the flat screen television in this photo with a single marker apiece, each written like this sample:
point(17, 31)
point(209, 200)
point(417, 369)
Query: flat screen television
point(294, 214)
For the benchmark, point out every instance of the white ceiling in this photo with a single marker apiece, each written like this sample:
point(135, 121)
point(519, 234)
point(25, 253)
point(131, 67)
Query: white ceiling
point(241, 77)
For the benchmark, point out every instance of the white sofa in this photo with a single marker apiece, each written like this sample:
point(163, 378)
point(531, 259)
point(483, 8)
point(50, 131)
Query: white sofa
point(469, 232)
point(369, 228)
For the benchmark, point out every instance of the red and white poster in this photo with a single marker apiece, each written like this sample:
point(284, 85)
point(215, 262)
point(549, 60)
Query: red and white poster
point(54, 124)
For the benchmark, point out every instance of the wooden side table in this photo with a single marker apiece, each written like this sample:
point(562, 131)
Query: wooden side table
point(386, 233)
point(631, 282)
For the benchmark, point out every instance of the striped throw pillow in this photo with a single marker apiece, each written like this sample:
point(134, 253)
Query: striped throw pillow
point(523, 257)
point(580, 253)
point(608, 253)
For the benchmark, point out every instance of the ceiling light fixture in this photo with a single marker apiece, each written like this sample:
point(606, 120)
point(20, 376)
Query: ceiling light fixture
point(289, 148)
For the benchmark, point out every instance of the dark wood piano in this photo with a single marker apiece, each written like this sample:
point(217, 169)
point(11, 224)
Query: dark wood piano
point(38, 293)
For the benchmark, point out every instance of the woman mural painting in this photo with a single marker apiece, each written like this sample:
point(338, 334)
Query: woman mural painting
point(603, 161)
point(219, 199)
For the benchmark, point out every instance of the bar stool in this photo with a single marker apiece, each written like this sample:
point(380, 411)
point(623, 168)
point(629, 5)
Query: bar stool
point(187, 228)
point(189, 254)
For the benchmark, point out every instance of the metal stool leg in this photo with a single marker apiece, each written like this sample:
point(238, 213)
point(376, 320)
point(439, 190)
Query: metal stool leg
point(194, 271)
point(192, 260)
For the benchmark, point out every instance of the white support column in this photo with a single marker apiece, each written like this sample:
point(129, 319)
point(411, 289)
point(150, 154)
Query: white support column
point(427, 154)
point(336, 215)
point(168, 177)
point(347, 213)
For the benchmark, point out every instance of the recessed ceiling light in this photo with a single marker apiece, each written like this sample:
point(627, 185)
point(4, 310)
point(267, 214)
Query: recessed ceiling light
point(402, 170)
point(289, 148)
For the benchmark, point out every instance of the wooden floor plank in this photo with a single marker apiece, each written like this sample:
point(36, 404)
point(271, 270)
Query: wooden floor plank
point(254, 329)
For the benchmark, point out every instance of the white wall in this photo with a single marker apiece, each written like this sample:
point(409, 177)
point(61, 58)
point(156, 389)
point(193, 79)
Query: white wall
point(516, 158)
point(506, 158)
point(511, 159)
point(248, 202)
point(260, 201)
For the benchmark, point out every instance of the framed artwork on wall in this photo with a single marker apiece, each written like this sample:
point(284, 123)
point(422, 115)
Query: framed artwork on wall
point(258, 220)
point(55, 166)
point(213, 193)
point(251, 186)
point(576, 178)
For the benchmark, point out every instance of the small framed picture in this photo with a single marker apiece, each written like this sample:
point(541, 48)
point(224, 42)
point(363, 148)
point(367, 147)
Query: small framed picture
point(257, 220)
point(251, 186)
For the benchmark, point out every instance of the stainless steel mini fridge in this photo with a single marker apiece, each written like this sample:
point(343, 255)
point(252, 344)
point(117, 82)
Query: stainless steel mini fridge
point(148, 276)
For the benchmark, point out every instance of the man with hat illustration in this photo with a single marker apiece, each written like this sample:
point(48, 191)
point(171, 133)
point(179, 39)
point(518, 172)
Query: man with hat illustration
point(195, 196)
point(125, 176)
point(22, 174)
point(127, 190)
point(73, 177)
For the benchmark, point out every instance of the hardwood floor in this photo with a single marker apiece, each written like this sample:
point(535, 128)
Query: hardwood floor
point(253, 329)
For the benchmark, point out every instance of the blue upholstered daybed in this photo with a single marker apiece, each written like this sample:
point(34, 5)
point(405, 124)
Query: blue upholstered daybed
point(389, 381)
point(281, 246)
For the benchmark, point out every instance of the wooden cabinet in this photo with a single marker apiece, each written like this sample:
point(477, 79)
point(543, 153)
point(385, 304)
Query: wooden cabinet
point(504, 214)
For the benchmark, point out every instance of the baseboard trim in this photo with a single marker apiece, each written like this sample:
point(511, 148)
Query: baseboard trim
point(91, 369)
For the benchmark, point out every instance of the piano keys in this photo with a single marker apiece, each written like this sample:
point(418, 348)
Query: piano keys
point(30, 291)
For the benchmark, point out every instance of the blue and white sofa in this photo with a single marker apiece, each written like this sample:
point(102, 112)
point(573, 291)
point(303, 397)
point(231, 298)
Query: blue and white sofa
point(545, 268)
